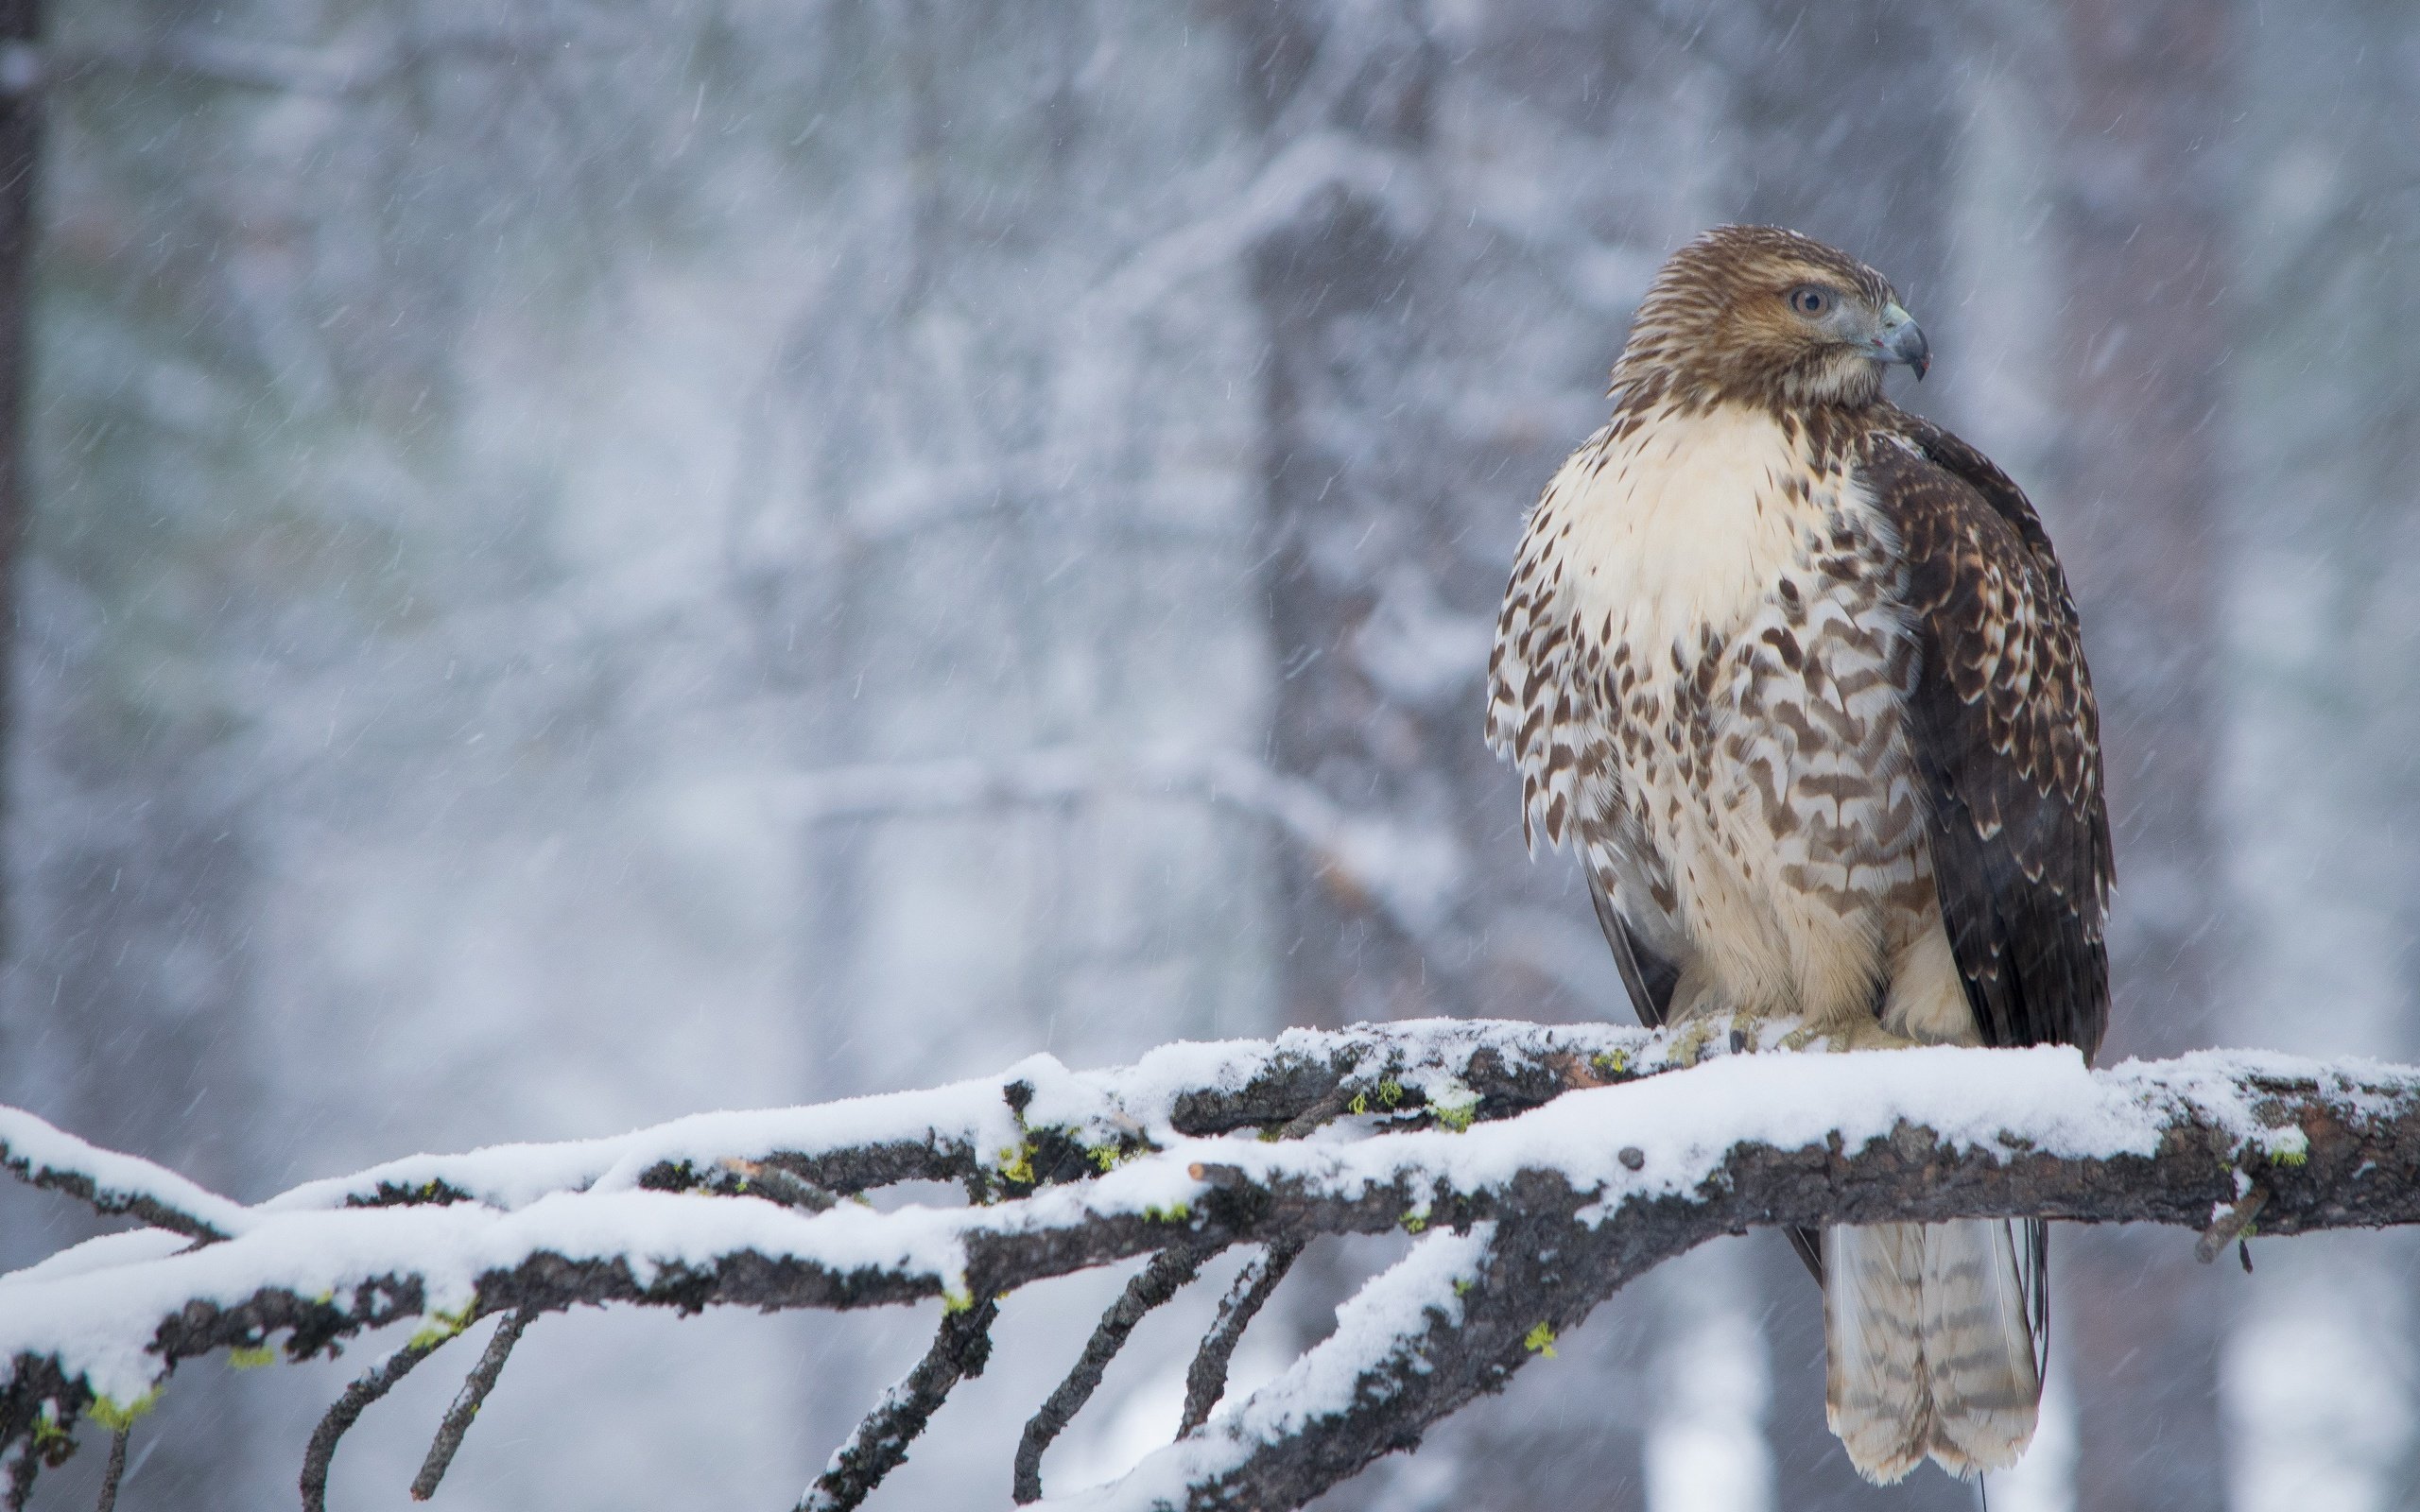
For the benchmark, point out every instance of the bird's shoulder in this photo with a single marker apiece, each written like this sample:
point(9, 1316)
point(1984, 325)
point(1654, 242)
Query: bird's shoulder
point(1923, 474)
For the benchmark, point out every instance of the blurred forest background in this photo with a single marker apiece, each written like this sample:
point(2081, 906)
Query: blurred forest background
point(589, 560)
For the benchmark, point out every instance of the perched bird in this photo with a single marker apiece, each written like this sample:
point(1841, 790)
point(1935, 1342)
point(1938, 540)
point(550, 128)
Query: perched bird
point(1798, 676)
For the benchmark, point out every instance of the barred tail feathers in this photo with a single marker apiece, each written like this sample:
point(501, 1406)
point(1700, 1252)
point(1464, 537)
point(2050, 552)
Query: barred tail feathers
point(1875, 1393)
point(1930, 1349)
point(1979, 1346)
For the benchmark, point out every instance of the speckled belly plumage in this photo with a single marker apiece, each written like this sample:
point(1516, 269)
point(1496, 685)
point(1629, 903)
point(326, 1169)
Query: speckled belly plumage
point(1702, 673)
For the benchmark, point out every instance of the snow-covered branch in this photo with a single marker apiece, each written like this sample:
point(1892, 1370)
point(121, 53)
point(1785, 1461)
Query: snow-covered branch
point(111, 1183)
point(1544, 1169)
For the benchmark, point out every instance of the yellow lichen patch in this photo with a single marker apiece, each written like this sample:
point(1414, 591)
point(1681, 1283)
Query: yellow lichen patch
point(447, 1326)
point(116, 1417)
point(1454, 1104)
point(1016, 1163)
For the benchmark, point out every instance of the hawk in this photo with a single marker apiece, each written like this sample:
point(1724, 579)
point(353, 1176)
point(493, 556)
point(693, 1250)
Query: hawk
point(1798, 676)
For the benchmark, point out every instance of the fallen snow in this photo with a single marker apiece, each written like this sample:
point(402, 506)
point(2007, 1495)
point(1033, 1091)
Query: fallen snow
point(1371, 1330)
point(1097, 1105)
point(36, 1147)
point(97, 1306)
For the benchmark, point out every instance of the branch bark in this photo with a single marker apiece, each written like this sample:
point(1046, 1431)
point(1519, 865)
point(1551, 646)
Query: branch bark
point(1545, 1169)
point(1205, 1381)
point(110, 1183)
point(467, 1403)
point(962, 1348)
point(320, 1455)
point(1170, 1271)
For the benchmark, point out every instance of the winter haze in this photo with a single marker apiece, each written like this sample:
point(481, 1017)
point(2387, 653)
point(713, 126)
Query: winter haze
point(595, 560)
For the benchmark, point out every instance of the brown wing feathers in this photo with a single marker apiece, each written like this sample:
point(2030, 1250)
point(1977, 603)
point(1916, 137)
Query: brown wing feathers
point(2007, 737)
point(1647, 977)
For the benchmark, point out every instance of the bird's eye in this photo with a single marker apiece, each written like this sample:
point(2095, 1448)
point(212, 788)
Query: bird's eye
point(1809, 300)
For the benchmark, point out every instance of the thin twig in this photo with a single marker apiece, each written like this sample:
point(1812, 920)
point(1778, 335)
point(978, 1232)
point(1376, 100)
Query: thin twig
point(348, 1411)
point(1206, 1381)
point(334, 72)
point(114, 1472)
point(1310, 1118)
point(22, 1472)
point(48, 1158)
point(1167, 1273)
point(2231, 1225)
point(960, 1349)
point(762, 1178)
point(481, 1380)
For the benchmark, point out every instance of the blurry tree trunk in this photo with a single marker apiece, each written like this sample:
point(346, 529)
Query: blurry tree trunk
point(20, 156)
point(1871, 85)
point(1334, 284)
point(2323, 537)
point(2141, 232)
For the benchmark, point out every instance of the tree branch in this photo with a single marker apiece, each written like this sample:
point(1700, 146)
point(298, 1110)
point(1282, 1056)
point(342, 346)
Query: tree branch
point(1205, 1381)
point(321, 1451)
point(957, 1132)
point(468, 1401)
point(1564, 1162)
point(962, 1348)
point(365, 62)
point(113, 1473)
point(1170, 1271)
point(49, 1158)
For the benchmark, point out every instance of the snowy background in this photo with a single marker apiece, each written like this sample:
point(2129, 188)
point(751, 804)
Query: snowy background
point(598, 560)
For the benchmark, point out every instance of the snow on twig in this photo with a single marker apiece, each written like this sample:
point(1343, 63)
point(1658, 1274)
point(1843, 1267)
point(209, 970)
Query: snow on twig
point(962, 1348)
point(1547, 1168)
point(1205, 1381)
point(1168, 1273)
point(111, 1183)
point(468, 1401)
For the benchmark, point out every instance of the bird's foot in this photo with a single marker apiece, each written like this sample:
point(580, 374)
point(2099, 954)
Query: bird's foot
point(1860, 1035)
point(1689, 1045)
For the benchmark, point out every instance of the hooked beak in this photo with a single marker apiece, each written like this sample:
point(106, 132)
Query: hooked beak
point(1902, 341)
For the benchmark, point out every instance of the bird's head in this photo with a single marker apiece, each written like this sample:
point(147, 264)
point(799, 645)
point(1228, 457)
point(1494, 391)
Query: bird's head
point(1764, 315)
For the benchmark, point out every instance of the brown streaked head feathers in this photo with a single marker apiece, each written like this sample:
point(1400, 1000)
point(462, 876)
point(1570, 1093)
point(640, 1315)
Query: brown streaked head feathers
point(1762, 316)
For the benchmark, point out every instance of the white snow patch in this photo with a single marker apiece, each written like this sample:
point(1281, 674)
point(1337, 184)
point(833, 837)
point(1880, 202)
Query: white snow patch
point(1369, 1329)
point(97, 1306)
point(41, 1146)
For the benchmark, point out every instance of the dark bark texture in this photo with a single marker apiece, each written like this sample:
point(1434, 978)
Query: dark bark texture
point(2312, 1146)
